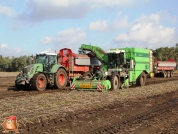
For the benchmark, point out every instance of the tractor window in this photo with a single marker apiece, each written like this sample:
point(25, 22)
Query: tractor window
point(52, 59)
point(41, 59)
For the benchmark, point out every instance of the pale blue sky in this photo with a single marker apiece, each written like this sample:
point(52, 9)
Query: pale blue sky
point(31, 26)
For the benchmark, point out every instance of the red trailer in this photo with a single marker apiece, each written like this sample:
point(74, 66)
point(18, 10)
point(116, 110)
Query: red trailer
point(77, 64)
point(164, 68)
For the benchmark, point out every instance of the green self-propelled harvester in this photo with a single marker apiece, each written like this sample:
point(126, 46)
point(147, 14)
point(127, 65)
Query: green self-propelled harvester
point(45, 72)
point(120, 68)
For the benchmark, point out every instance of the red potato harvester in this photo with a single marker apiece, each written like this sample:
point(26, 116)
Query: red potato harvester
point(77, 64)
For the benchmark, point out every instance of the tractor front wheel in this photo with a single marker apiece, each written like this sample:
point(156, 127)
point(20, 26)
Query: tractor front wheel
point(39, 82)
point(115, 81)
point(60, 79)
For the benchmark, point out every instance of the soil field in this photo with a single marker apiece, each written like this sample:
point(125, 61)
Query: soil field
point(138, 110)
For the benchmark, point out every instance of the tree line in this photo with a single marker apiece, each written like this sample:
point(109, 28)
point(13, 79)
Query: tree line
point(12, 64)
point(165, 53)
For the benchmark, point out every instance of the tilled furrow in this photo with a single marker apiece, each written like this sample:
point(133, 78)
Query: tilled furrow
point(131, 124)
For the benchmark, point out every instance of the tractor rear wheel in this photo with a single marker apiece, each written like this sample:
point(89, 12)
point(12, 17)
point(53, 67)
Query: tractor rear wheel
point(39, 82)
point(141, 80)
point(115, 81)
point(60, 80)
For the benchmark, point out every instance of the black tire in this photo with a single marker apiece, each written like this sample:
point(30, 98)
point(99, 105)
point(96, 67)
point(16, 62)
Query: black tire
point(60, 80)
point(115, 81)
point(141, 80)
point(171, 74)
point(87, 75)
point(39, 82)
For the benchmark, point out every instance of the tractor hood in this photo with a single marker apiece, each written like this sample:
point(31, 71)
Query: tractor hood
point(28, 72)
point(27, 69)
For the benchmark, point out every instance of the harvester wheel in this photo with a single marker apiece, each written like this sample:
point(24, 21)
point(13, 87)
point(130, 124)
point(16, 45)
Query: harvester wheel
point(141, 80)
point(115, 81)
point(87, 74)
point(171, 73)
point(60, 79)
point(39, 82)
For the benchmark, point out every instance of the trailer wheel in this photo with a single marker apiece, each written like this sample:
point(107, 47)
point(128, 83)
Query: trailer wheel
point(115, 81)
point(171, 73)
point(87, 74)
point(39, 82)
point(168, 74)
point(164, 74)
point(60, 79)
point(141, 80)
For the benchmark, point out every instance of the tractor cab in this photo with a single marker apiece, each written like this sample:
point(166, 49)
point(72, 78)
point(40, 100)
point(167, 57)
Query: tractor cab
point(116, 59)
point(47, 59)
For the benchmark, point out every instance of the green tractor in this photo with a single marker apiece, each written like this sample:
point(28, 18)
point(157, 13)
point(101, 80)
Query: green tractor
point(45, 72)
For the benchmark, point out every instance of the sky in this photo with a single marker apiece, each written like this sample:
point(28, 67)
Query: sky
point(31, 26)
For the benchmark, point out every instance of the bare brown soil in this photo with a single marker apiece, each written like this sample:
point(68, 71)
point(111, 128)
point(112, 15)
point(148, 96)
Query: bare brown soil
point(139, 110)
